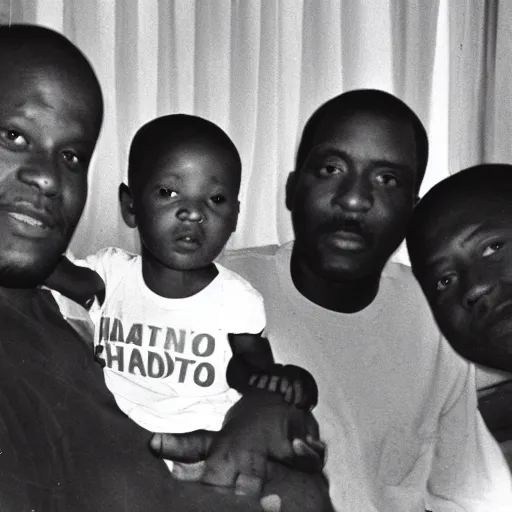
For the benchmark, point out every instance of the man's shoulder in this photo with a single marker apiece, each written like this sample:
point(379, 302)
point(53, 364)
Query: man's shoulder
point(265, 252)
point(397, 270)
point(401, 279)
point(253, 258)
point(258, 265)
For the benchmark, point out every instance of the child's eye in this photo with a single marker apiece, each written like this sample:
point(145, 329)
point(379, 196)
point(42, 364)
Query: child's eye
point(14, 138)
point(492, 248)
point(218, 199)
point(388, 180)
point(443, 283)
point(329, 170)
point(167, 192)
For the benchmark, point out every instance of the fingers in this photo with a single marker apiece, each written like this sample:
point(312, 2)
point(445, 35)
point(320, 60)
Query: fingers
point(285, 384)
point(189, 447)
point(273, 383)
point(244, 470)
point(271, 503)
point(248, 485)
point(288, 396)
point(309, 448)
point(307, 458)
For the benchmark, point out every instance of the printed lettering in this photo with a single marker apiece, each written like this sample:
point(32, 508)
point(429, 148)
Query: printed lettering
point(172, 341)
point(204, 349)
point(135, 335)
point(208, 376)
point(136, 362)
point(184, 367)
point(116, 334)
point(170, 364)
point(104, 328)
point(154, 331)
point(118, 357)
point(156, 365)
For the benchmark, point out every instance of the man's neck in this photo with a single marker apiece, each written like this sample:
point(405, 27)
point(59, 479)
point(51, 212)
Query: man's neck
point(347, 296)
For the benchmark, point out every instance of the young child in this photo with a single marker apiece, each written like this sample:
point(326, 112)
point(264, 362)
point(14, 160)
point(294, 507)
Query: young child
point(460, 245)
point(175, 331)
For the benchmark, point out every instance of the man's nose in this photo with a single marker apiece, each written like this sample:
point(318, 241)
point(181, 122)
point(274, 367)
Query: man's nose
point(478, 287)
point(42, 172)
point(190, 211)
point(355, 194)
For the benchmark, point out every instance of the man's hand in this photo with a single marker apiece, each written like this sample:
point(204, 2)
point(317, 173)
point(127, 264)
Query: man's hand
point(79, 284)
point(258, 431)
point(295, 384)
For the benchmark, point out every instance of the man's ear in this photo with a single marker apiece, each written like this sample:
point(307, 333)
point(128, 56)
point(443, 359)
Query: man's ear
point(291, 187)
point(126, 203)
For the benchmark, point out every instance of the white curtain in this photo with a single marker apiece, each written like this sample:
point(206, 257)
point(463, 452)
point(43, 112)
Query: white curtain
point(258, 68)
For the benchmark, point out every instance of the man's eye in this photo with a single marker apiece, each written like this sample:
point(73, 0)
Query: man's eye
point(492, 248)
point(71, 158)
point(218, 199)
point(443, 283)
point(329, 170)
point(388, 180)
point(14, 138)
point(167, 192)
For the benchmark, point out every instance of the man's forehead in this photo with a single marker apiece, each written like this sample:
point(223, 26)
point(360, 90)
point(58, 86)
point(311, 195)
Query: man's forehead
point(26, 91)
point(465, 218)
point(367, 127)
point(371, 133)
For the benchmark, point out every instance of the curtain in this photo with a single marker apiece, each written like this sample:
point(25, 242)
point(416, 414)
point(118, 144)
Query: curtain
point(481, 83)
point(259, 68)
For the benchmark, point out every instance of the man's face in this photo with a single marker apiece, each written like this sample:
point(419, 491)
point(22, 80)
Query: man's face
point(352, 201)
point(48, 130)
point(188, 208)
point(465, 270)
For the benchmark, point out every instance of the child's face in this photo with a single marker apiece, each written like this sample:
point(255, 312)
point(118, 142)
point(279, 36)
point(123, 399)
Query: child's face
point(188, 208)
point(353, 199)
point(48, 130)
point(466, 273)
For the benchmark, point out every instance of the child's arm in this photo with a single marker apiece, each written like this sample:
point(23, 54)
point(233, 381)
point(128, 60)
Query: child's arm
point(80, 284)
point(252, 366)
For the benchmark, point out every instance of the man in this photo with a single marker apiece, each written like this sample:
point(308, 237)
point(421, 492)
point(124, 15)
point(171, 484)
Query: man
point(64, 443)
point(396, 404)
point(460, 247)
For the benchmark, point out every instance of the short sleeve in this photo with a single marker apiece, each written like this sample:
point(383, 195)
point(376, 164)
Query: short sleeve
point(105, 262)
point(244, 310)
point(469, 472)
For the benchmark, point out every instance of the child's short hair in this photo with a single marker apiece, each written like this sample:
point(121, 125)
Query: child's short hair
point(480, 181)
point(364, 100)
point(166, 132)
point(44, 46)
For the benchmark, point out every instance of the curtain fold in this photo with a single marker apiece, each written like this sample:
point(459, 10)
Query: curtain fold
point(480, 83)
point(259, 68)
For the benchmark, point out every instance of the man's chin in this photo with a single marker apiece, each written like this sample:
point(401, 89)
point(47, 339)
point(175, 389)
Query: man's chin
point(344, 270)
point(490, 351)
point(25, 276)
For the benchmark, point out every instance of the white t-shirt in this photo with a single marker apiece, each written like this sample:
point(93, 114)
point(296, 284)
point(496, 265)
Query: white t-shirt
point(397, 406)
point(166, 359)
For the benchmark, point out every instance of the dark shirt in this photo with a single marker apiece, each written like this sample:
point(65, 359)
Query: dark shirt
point(64, 444)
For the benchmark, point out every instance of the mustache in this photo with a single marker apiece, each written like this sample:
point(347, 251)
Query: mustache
point(351, 224)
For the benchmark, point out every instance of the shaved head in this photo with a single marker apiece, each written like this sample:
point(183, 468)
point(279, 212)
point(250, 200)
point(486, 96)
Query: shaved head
point(32, 48)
